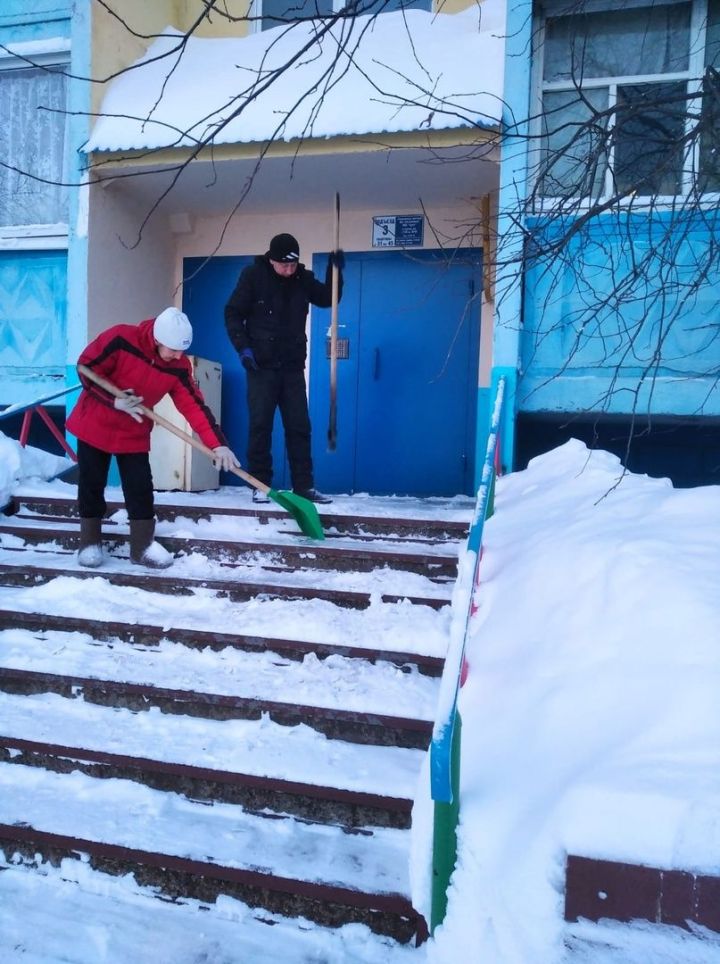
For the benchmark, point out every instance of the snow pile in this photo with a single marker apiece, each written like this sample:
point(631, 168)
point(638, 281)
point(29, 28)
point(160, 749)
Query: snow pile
point(590, 717)
point(403, 71)
point(18, 464)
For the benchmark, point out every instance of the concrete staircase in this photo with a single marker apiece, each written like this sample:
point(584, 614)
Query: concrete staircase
point(250, 724)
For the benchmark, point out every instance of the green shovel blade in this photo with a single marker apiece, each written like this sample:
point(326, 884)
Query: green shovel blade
point(302, 510)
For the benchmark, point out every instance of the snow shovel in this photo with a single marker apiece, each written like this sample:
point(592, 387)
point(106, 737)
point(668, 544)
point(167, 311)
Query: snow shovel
point(302, 510)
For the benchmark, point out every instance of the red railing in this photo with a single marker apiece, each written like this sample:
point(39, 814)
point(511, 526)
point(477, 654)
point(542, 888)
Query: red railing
point(37, 407)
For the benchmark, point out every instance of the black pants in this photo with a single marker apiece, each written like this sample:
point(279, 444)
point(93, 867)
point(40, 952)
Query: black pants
point(268, 389)
point(135, 478)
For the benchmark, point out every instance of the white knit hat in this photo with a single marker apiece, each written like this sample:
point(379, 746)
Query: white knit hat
point(172, 328)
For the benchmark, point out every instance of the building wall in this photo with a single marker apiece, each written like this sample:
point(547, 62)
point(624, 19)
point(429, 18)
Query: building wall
point(130, 276)
point(250, 235)
point(35, 263)
point(508, 301)
point(215, 25)
point(650, 348)
point(144, 279)
point(114, 42)
point(581, 358)
point(34, 19)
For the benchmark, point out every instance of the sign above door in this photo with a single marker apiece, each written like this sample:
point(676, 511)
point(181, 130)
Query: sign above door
point(397, 231)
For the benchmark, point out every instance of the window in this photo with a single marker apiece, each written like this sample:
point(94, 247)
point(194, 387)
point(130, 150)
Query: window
point(710, 121)
point(32, 141)
point(277, 11)
point(621, 103)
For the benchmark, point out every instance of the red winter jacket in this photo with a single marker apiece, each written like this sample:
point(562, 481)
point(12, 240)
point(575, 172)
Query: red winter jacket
point(126, 355)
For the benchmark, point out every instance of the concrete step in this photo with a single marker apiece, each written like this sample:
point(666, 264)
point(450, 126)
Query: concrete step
point(351, 809)
point(276, 556)
point(427, 526)
point(21, 568)
point(256, 748)
point(188, 849)
point(72, 912)
point(214, 757)
point(357, 727)
point(338, 694)
point(140, 634)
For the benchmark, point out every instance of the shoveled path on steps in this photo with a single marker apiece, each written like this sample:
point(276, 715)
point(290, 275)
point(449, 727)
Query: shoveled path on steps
point(246, 729)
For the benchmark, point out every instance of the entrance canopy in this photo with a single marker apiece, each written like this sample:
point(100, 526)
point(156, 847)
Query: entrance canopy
point(406, 71)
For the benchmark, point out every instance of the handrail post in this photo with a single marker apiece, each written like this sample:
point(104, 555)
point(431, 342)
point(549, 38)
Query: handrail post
point(445, 821)
point(57, 435)
point(25, 427)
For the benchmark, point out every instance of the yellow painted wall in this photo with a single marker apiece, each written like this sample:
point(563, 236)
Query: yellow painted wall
point(116, 43)
point(454, 6)
point(228, 20)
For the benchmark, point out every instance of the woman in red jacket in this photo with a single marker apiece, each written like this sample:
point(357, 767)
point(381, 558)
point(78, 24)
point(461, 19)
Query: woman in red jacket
point(147, 361)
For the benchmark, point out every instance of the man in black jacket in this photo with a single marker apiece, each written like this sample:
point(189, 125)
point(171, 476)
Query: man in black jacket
point(265, 319)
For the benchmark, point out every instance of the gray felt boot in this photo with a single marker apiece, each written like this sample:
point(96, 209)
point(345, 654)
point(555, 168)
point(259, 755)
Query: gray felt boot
point(90, 553)
point(144, 551)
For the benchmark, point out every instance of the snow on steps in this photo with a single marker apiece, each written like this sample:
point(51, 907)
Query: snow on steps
point(191, 574)
point(152, 635)
point(330, 684)
point(434, 521)
point(301, 808)
point(350, 555)
point(351, 784)
point(72, 912)
point(189, 849)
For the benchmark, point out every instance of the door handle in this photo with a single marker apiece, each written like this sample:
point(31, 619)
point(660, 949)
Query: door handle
point(376, 364)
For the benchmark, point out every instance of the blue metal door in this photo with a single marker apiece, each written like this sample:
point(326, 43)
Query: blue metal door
point(407, 392)
point(206, 288)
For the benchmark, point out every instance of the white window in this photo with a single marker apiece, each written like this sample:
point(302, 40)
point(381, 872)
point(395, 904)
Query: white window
point(709, 162)
point(274, 12)
point(32, 148)
point(622, 106)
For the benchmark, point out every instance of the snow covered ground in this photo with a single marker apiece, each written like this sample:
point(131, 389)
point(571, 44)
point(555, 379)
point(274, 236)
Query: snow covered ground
point(591, 718)
point(591, 725)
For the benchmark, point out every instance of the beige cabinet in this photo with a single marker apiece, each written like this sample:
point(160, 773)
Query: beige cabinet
point(176, 464)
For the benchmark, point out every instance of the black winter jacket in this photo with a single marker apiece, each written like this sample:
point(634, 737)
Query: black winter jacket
point(268, 313)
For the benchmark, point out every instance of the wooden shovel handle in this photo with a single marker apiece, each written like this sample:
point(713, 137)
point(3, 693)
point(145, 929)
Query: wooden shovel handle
point(159, 420)
point(335, 286)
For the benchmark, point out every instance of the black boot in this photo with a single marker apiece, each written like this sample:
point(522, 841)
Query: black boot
point(313, 495)
point(143, 550)
point(90, 552)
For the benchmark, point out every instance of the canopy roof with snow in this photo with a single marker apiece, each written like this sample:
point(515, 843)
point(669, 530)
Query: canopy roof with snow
point(398, 72)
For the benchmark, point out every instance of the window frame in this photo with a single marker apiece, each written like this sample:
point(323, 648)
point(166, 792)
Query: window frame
point(25, 55)
point(256, 14)
point(692, 77)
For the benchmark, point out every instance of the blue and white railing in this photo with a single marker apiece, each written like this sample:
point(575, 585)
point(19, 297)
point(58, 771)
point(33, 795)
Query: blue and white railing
point(445, 747)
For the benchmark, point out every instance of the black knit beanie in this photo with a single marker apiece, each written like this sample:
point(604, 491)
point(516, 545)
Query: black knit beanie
point(284, 247)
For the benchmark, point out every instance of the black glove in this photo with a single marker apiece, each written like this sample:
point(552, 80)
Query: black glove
point(337, 258)
point(247, 358)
